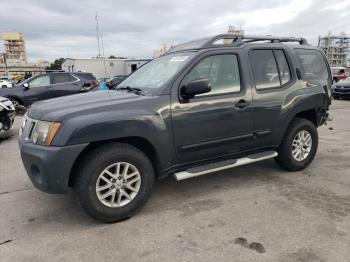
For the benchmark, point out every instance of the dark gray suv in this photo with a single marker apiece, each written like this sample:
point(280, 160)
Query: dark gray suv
point(207, 105)
point(49, 85)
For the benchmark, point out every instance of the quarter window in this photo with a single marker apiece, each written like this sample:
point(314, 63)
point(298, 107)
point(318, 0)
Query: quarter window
point(40, 81)
point(221, 70)
point(313, 64)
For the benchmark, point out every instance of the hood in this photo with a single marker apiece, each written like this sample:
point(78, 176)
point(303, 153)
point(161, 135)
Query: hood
point(7, 104)
point(343, 83)
point(58, 108)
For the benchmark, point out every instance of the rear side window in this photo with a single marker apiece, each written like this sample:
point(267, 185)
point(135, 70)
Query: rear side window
point(221, 70)
point(313, 64)
point(270, 68)
point(61, 78)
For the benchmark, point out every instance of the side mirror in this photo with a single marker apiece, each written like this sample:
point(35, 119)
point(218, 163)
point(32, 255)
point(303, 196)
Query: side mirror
point(195, 87)
point(26, 86)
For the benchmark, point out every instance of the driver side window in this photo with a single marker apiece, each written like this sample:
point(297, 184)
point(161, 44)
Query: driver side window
point(221, 70)
point(40, 81)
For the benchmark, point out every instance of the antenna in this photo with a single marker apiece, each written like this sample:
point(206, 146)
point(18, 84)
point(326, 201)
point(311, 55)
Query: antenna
point(98, 36)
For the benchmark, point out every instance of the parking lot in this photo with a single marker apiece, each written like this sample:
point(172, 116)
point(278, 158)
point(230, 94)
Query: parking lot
point(251, 213)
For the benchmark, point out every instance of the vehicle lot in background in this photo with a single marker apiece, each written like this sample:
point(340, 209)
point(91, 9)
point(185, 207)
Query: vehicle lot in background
point(115, 81)
point(7, 116)
point(4, 83)
point(339, 73)
point(301, 216)
point(48, 86)
point(341, 89)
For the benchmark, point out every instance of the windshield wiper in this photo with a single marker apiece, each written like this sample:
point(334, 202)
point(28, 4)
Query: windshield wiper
point(135, 90)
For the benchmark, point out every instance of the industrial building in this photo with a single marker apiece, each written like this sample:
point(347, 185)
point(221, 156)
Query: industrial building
point(13, 62)
point(15, 48)
point(336, 48)
point(162, 50)
point(103, 68)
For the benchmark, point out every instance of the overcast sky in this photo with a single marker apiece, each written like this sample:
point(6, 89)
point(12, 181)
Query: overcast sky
point(135, 28)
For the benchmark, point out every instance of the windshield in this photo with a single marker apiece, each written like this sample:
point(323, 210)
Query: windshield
point(345, 80)
point(156, 73)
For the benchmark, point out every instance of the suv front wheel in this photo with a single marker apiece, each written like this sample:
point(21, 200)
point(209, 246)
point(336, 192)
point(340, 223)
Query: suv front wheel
point(114, 181)
point(299, 145)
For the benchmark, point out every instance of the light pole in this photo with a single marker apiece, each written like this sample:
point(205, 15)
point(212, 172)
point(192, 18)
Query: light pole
point(5, 63)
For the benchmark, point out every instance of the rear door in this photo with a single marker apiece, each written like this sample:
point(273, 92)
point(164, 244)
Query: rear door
point(272, 80)
point(64, 84)
point(217, 123)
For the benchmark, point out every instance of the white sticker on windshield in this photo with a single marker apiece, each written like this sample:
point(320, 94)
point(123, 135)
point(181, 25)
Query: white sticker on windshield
point(178, 58)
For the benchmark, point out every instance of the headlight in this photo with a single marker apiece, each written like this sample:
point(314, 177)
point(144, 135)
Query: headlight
point(45, 132)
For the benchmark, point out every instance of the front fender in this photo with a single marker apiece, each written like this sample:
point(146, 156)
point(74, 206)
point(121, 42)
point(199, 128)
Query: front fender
point(104, 126)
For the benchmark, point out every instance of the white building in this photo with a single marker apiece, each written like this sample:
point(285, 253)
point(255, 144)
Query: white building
point(103, 68)
point(162, 50)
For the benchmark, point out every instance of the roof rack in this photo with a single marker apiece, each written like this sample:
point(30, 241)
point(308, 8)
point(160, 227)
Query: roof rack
point(237, 40)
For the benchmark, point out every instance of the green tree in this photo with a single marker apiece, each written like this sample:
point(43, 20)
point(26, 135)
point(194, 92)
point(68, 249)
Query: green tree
point(56, 65)
point(116, 57)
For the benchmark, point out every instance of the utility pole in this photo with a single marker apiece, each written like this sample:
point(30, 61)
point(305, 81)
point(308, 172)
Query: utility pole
point(104, 58)
point(5, 63)
point(100, 40)
point(98, 36)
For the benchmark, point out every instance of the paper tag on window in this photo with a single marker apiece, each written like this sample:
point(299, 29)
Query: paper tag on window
point(178, 58)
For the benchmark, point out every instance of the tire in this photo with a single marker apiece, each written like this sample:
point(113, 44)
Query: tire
point(285, 157)
point(89, 177)
point(20, 109)
point(4, 86)
point(5, 134)
point(335, 97)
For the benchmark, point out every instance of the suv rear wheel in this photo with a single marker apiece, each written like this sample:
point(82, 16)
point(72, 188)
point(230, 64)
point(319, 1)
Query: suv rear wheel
point(299, 145)
point(114, 181)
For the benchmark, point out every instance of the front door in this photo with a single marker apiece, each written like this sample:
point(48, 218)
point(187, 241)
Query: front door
point(38, 89)
point(217, 123)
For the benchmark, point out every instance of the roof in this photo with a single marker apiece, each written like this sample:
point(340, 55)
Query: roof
point(233, 40)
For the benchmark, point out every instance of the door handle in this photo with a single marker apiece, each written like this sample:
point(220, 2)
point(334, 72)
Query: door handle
point(242, 104)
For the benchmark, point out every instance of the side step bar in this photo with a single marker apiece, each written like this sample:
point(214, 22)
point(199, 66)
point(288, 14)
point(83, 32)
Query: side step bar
point(222, 165)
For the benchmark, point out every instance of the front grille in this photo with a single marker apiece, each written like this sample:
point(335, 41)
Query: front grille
point(343, 90)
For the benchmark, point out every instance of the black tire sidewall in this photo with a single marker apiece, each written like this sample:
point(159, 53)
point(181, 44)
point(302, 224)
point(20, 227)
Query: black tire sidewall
point(286, 158)
point(87, 183)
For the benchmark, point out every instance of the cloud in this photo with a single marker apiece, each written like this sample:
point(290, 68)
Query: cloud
point(135, 28)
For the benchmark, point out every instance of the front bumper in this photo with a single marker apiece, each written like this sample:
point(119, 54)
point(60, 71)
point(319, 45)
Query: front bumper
point(340, 95)
point(341, 92)
point(49, 167)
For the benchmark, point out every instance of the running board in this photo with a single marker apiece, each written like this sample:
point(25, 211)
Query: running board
point(222, 165)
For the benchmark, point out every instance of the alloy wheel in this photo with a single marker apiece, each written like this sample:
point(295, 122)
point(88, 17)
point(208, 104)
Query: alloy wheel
point(301, 145)
point(118, 184)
